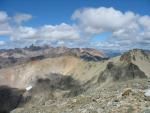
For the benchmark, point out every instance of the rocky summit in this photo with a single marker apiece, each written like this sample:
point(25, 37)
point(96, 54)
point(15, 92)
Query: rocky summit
point(48, 79)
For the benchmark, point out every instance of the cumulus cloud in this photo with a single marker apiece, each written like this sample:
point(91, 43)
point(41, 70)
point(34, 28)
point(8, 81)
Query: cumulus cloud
point(22, 17)
point(5, 28)
point(47, 32)
point(145, 21)
point(3, 16)
point(128, 30)
point(97, 20)
point(62, 31)
point(2, 43)
point(29, 35)
point(23, 32)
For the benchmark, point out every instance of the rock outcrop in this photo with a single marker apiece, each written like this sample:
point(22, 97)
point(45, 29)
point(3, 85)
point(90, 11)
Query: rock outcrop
point(121, 72)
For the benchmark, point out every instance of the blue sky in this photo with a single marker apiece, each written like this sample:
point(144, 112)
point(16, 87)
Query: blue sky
point(47, 13)
point(58, 11)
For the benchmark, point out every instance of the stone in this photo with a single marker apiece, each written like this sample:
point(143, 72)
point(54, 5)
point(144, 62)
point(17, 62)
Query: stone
point(126, 92)
point(147, 95)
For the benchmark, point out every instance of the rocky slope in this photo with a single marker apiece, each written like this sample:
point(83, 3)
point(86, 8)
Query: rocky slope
point(56, 76)
point(119, 97)
point(140, 58)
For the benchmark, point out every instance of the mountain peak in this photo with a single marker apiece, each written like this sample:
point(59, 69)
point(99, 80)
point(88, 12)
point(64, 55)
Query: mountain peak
point(135, 54)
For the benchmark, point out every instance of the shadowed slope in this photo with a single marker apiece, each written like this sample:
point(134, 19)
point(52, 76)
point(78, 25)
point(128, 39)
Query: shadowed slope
point(9, 98)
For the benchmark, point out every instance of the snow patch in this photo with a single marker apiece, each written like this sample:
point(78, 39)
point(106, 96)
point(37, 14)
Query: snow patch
point(28, 88)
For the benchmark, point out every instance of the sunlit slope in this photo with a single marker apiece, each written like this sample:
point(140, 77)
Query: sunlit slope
point(25, 74)
point(22, 75)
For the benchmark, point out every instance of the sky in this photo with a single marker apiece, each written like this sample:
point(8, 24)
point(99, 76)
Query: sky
point(102, 24)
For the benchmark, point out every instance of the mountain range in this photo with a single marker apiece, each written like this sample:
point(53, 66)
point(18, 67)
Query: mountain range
point(35, 75)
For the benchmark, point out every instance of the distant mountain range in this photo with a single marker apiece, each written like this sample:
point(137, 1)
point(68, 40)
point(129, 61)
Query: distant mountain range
point(20, 55)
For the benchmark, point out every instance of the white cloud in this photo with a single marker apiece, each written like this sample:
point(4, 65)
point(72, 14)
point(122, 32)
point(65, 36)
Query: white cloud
point(127, 29)
point(97, 20)
point(61, 43)
point(2, 43)
point(5, 28)
point(3, 16)
point(46, 32)
point(145, 21)
point(22, 17)
point(23, 33)
point(62, 31)
point(18, 32)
